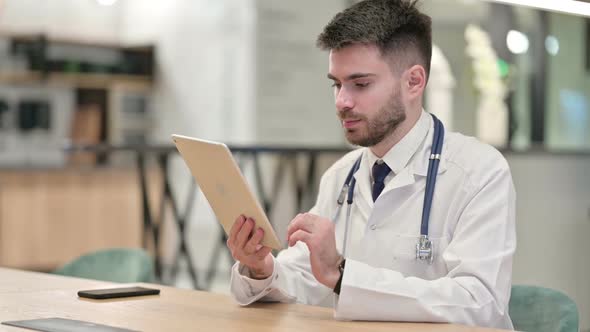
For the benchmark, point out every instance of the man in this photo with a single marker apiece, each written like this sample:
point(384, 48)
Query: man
point(366, 266)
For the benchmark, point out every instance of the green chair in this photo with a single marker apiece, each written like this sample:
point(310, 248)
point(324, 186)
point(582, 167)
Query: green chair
point(122, 265)
point(541, 309)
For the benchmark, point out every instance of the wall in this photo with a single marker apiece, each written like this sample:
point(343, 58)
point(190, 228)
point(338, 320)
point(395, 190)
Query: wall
point(91, 21)
point(204, 65)
point(294, 100)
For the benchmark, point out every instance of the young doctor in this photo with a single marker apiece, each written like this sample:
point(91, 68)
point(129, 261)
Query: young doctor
point(418, 225)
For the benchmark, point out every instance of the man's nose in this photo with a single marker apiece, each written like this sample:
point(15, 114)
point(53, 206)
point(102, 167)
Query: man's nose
point(344, 100)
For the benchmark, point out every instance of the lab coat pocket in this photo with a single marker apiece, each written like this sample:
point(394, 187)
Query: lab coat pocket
point(403, 258)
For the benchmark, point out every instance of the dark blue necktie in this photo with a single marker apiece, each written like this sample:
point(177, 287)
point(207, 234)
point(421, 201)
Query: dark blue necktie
point(380, 171)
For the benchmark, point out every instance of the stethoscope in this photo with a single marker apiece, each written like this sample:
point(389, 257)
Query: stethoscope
point(424, 248)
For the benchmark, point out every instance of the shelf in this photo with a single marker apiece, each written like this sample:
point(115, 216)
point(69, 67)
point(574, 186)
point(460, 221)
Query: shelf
point(20, 77)
point(134, 69)
point(79, 80)
point(32, 37)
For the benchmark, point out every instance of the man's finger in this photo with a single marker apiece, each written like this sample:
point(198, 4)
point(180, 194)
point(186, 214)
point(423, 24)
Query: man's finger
point(244, 234)
point(301, 222)
point(250, 246)
point(299, 235)
point(235, 228)
point(263, 252)
point(294, 221)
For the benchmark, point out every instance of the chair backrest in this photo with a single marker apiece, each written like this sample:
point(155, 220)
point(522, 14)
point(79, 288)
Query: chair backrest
point(541, 309)
point(124, 265)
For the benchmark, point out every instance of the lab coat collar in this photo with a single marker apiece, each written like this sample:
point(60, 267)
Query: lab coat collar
point(364, 199)
point(409, 156)
point(398, 157)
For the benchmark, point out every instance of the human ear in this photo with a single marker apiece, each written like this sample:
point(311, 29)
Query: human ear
point(415, 80)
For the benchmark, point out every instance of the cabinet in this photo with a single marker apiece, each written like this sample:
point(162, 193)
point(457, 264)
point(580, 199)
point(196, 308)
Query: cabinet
point(56, 85)
point(48, 217)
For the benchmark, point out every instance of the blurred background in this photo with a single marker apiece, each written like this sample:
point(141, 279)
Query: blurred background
point(91, 90)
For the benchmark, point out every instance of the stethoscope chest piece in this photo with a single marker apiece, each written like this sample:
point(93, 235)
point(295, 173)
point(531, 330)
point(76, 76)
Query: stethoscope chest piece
point(424, 250)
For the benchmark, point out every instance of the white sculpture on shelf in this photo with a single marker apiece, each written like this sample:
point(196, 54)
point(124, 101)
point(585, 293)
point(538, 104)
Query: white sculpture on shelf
point(492, 111)
point(439, 91)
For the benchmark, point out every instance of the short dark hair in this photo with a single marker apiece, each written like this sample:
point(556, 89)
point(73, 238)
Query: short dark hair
point(394, 26)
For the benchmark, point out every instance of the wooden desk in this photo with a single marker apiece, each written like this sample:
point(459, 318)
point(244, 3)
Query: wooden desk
point(29, 295)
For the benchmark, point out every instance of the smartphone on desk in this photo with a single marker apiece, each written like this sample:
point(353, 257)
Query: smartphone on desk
point(112, 293)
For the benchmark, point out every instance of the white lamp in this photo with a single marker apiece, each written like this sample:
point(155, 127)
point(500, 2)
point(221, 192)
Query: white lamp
point(517, 42)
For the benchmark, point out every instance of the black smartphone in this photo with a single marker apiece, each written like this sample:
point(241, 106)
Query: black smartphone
point(111, 293)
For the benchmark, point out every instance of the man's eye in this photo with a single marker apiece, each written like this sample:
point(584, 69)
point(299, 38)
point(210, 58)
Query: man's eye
point(362, 85)
point(336, 85)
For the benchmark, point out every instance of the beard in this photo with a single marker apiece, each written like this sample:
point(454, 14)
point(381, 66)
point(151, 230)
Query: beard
point(383, 124)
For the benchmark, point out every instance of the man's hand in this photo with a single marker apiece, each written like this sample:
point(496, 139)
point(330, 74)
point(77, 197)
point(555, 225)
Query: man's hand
point(319, 235)
point(245, 247)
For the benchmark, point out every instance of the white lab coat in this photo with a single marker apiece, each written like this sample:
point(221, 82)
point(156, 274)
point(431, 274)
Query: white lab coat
point(472, 228)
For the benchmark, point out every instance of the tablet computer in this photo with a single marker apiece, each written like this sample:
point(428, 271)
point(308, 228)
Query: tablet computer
point(64, 325)
point(220, 179)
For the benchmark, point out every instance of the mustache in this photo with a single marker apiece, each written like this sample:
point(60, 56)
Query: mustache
point(348, 114)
